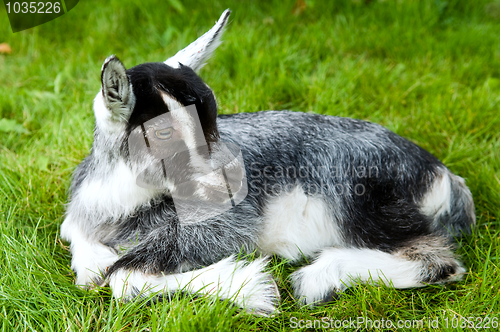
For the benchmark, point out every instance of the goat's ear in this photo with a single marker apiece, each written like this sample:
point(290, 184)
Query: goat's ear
point(116, 89)
point(196, 53)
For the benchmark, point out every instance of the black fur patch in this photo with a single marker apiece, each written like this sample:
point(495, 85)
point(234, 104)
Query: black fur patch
point(149, 80)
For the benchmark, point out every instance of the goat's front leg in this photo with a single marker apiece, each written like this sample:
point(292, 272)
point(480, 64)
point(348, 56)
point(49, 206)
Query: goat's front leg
point(90, 258)
point(156, 264)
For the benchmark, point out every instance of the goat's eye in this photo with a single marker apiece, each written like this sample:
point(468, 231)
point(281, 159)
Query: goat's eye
point(165, 133)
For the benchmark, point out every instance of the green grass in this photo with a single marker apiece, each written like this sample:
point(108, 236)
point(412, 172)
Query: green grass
point(428, 70)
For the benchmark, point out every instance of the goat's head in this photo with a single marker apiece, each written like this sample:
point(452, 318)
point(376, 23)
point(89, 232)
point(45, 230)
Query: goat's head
point(161, 117)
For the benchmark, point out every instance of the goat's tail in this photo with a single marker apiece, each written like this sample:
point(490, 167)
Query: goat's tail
point(246, 284)
point(458, 216)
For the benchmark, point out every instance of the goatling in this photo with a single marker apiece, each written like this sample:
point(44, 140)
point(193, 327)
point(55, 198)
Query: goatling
point(171, 192)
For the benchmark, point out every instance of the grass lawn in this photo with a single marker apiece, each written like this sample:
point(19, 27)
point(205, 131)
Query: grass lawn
point(428, 70)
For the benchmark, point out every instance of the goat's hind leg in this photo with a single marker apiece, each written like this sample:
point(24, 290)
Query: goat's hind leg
point(424, 260)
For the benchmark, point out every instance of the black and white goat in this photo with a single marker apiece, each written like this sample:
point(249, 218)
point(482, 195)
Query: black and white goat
point(367, 204)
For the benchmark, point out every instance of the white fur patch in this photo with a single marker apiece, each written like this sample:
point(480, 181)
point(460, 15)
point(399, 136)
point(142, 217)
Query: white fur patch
point(338, 269)
point(89, 259)
point(184, 121)
point(188, 123)
point(247, 285)
point(104, 117)
point(437, 200)
point(115, 195)
point(296, 225)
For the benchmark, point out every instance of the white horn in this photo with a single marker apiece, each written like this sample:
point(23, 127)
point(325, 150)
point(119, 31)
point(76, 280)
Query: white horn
point(196, 53)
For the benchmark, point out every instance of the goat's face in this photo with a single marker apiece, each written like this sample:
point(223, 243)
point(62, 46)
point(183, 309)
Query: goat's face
point(162, 116)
